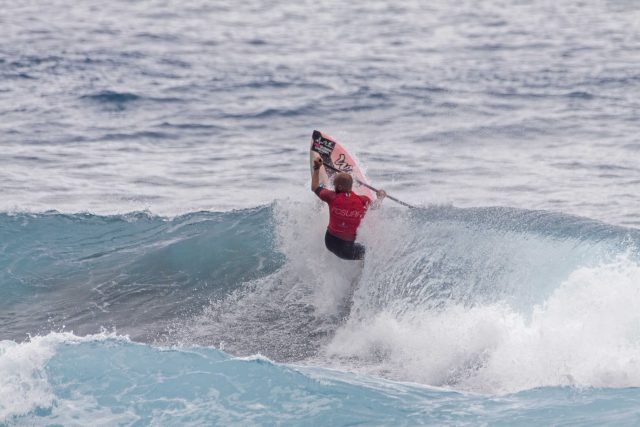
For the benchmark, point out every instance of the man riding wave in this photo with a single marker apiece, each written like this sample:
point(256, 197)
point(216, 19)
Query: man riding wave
point(346, 210)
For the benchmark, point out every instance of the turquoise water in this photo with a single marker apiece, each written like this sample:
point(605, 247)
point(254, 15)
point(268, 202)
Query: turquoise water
point(101, 379)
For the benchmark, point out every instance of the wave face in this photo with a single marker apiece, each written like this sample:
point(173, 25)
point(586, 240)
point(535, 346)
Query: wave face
point(134, 272)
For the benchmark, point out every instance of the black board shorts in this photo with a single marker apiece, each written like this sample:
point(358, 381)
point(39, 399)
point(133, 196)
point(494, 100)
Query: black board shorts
point(344, 249)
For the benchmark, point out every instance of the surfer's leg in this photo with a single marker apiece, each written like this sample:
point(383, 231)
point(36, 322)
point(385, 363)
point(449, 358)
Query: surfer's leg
point(333, 244)
point(344, 249)
point(357, 251)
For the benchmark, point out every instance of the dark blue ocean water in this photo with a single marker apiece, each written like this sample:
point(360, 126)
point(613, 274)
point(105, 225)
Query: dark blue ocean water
point(161, 256)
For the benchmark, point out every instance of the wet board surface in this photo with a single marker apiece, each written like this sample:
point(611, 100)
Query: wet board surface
point(334, 154)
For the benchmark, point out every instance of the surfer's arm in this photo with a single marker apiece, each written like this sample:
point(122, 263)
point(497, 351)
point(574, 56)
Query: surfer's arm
point(315, 176)
point(324, 194)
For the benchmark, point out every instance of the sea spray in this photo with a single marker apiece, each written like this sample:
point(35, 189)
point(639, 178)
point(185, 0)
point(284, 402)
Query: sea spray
point(585, 334)
point(544, 300)
point(24, 384)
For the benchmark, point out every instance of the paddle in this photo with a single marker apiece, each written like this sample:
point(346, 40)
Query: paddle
point(370, 187)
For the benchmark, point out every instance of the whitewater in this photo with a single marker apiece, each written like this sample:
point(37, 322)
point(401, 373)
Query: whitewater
point(162, 259)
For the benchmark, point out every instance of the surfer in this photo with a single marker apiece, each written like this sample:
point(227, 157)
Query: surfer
point(346, 210)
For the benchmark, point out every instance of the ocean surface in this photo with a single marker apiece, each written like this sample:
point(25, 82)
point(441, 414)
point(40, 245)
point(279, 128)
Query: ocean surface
point(162, 259)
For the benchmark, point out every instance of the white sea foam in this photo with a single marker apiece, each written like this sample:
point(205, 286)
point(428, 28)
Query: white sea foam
point(587, 333)
point(24, 386)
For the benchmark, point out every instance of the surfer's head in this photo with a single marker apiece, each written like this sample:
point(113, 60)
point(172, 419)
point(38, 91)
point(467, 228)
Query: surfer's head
point(342, 182)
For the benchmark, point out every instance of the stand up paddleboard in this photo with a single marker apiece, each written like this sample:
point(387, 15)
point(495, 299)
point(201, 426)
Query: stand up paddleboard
point(337, 159)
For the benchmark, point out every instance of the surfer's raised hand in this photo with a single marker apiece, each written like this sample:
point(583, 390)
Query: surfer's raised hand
point(317, 162)
point(381, 194)
point(315, 175)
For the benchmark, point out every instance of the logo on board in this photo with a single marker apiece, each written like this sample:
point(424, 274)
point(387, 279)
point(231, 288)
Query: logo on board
point(323, 146)
point(342, 164)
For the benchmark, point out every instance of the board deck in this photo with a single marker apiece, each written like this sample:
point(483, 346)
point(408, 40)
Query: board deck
point(335, 155)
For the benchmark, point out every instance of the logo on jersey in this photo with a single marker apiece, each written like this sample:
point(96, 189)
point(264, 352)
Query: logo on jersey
point(347, 213)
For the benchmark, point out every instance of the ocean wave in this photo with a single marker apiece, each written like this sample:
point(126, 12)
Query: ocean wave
point(446, 296)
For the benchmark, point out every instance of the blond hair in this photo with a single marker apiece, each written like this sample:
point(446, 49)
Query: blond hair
point(342, 182)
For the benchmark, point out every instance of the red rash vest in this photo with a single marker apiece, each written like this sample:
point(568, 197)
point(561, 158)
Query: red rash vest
point(345, 212)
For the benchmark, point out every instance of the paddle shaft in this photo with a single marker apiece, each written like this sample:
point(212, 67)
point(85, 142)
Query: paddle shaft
point(370, 187)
